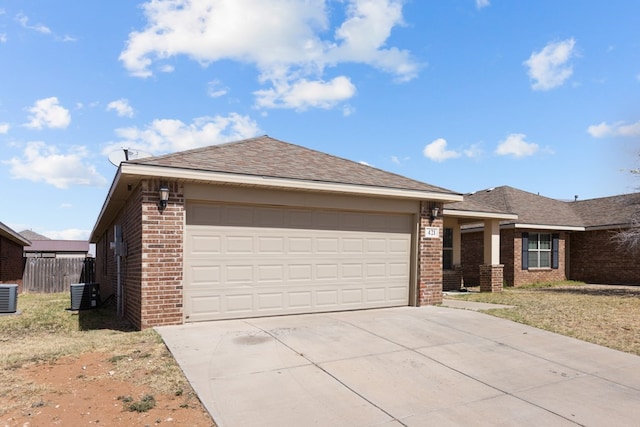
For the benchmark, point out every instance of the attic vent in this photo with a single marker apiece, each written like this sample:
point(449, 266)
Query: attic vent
point(8, 298)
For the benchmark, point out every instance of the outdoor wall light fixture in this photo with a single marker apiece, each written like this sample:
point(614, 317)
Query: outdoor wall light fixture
point(434, 213)
point(164, 197)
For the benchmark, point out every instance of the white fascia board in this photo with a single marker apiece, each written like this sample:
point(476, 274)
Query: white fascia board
point(284, 183)
point(477, 214)
point(546, 227)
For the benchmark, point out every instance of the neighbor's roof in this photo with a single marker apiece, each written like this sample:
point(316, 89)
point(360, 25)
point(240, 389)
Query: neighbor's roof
point(608, 211)
point(540, 211)
point(58, 246)
point(531, 209)
point(268, 157)
point(13, 236)
point(32, 235)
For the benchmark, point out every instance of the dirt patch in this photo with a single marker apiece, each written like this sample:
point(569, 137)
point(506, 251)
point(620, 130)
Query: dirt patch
point(87, 390)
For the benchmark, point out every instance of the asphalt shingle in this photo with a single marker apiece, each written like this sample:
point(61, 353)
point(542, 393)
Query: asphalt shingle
point(269, 157)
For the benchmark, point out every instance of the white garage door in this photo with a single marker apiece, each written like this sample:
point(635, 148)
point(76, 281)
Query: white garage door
point(249, 261)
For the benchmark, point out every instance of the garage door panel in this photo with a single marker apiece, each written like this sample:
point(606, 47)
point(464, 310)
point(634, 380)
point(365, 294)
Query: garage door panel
point(254, 261)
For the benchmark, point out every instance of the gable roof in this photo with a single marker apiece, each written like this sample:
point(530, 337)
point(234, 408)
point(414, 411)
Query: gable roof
point(268, 157)
point(608, 211)
point(538, 211)
point(265, 162)
point(8, 233)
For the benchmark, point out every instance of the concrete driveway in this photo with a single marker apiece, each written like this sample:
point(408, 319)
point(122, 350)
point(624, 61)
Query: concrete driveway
point(402, 367)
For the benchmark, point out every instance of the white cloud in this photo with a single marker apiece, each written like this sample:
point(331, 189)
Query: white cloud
point(603, 129)
point(550, 68)
point(437, 151)
point(4, 128)
point(168, 135)
point(474, 151)
point(515, 145)
point(47, 112)
point(44, 163)
point(290, 42)
point(23, 20)
point(121, 107)
point(216, 89)
point(482, 3)
point(3, 37)
point(304, 94)
point(68, 234)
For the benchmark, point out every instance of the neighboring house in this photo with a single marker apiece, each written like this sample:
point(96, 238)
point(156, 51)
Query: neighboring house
point(11, 260)
point(57, 249)
point(263, 227)
point(551, 240)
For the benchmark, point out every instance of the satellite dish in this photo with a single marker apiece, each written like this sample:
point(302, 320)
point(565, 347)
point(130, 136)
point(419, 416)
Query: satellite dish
point(126, 154)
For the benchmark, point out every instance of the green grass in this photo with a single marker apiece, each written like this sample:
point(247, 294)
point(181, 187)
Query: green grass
point(601, 314)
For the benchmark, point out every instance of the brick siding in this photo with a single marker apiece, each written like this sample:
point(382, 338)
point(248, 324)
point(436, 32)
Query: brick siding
point(595, 258)
point(430, 258)
point(11, 262)
point(510, 257)
point(152, 269)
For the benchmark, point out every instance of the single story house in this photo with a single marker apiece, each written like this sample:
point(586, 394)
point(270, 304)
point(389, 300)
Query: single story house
point(11, 260)
point(263, 227)
point(550, 240)
point(57, 249)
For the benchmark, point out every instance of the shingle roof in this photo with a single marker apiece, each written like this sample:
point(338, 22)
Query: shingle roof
point(32, 235)
point(607, 211)
point(269, 157)
point(533, 209)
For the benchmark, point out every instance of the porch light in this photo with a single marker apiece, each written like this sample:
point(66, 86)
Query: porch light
point(164, 197)
point(434, 212)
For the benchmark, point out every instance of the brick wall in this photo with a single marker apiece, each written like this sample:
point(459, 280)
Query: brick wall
point(510, 257)
point(430, 258)
point(533, 275)
point(452, 279)
point(595, 259)
point(472, 256)
point(162, 256)
point(11, 262)
point(130, 219)
point(151, 271)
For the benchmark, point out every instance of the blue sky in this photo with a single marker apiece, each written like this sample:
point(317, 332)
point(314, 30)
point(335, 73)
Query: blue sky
point(465, 94)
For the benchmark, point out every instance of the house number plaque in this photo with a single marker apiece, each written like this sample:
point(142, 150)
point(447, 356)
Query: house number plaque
point(431, 232)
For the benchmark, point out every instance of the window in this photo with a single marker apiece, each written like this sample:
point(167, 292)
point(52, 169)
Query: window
point(447, 249)
point(540, 250)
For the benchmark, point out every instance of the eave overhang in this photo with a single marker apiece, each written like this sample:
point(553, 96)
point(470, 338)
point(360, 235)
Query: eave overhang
point(129, 174)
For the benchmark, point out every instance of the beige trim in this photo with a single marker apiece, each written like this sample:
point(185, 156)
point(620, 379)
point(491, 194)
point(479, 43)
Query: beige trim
point(284, 183)
point(278, 197)
point(477, 214)
point(545, 227)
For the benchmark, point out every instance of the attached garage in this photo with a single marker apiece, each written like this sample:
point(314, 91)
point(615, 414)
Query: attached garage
point(247, 261)
point(261, 227)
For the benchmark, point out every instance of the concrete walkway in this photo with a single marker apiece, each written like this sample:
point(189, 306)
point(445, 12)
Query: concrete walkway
point(402, 367)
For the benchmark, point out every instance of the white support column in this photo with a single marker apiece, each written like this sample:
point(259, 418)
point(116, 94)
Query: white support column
point(491, 242)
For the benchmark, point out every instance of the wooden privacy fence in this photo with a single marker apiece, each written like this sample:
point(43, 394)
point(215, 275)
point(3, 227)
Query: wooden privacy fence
point(49, 275)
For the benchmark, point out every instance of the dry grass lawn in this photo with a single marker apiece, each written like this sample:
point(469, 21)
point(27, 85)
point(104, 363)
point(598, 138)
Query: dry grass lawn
point(607, 315)
point(48, 355)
